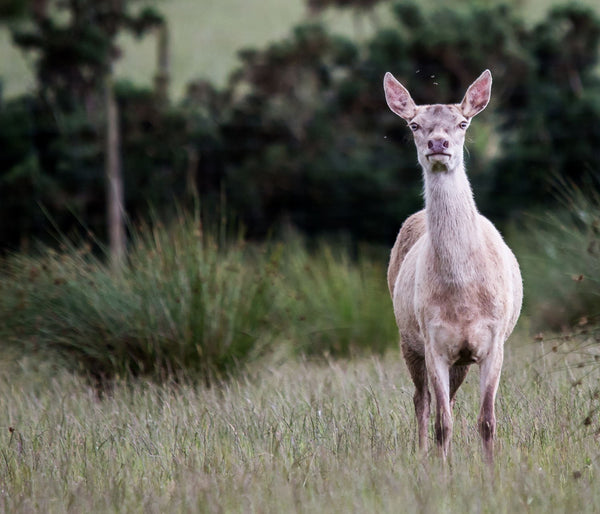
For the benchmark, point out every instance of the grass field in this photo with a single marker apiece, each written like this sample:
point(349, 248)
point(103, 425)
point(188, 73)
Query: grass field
point(205, 37)
point(207, 34)
point(297, 425)
point(311, 422)
point(294, 436)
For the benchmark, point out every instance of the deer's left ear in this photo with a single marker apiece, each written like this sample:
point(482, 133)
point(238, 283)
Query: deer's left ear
point(477, 96)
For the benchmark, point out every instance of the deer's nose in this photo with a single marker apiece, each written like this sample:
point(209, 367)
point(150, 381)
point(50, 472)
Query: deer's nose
point(438, 145)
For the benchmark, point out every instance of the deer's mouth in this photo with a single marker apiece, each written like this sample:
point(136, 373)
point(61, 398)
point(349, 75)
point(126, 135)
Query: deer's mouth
point(437, 155)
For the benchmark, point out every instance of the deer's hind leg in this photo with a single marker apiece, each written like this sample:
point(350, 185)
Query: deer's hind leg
point(457, 377)
point(422, 397)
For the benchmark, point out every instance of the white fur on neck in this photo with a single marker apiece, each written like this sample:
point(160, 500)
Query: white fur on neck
point(452, 223)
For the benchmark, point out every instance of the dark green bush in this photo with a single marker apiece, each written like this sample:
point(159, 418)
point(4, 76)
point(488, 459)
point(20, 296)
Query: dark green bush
point(315, 144)
point(552, 117)
point(301, 134)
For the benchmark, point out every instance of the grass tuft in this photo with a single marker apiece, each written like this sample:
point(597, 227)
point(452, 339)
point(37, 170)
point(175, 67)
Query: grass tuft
point(192, 301)
point(336, 305)
point(559, 255)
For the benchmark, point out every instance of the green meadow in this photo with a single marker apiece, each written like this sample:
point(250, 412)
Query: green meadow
point(294, 435)
point(211, 374)
point(206, 35)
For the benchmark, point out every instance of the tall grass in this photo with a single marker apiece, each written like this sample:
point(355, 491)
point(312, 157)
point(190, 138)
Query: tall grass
point(336, 304)
point(194, 301)
point(559, 254)
point(293, 436)
point(181, 301)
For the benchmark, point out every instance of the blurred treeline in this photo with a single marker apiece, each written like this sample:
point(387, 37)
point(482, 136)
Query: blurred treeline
point(300, 134)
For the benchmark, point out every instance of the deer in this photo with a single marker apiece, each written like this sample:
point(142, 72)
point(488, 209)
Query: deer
point(456, 286)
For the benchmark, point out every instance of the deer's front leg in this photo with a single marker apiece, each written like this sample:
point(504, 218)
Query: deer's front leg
point(490, 370)
point(438, 372)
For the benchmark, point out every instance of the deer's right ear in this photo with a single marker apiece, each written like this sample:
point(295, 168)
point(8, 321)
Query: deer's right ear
point(398, 98)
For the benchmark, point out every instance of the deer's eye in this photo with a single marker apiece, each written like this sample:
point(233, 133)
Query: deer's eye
point(413, 126)
point(463, 125)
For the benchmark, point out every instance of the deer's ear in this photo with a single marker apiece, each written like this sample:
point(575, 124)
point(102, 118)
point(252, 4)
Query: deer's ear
point(478, 95)
point(398, 98)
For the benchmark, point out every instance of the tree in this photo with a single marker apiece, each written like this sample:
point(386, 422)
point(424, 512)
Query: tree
point(552, 116)
point(75, 43)
point(312, 144)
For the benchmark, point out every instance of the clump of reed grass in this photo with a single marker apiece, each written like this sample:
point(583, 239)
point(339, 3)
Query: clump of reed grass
point(337, 304)
point(190, 300)
point(559, 253)
point(182, 301)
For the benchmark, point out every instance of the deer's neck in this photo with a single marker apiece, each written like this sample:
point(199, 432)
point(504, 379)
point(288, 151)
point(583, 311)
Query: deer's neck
point(452, 223)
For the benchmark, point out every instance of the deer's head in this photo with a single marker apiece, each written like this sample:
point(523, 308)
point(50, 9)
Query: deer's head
point(438, 130)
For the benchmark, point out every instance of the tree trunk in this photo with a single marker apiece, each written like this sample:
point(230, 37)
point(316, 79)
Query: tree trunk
point(114, 179)
point(162, 77)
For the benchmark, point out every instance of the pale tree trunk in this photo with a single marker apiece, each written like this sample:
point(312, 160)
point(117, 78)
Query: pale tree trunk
point(162, 77)
point(114, 179)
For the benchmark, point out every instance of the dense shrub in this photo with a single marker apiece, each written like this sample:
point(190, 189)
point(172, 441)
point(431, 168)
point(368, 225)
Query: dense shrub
point(552, 116)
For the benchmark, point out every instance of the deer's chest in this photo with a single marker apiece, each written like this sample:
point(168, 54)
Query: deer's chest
point(459, 321)
point(458, 296)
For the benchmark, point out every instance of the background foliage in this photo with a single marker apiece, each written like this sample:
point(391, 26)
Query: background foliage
point(300, 134)
point(192, 300)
